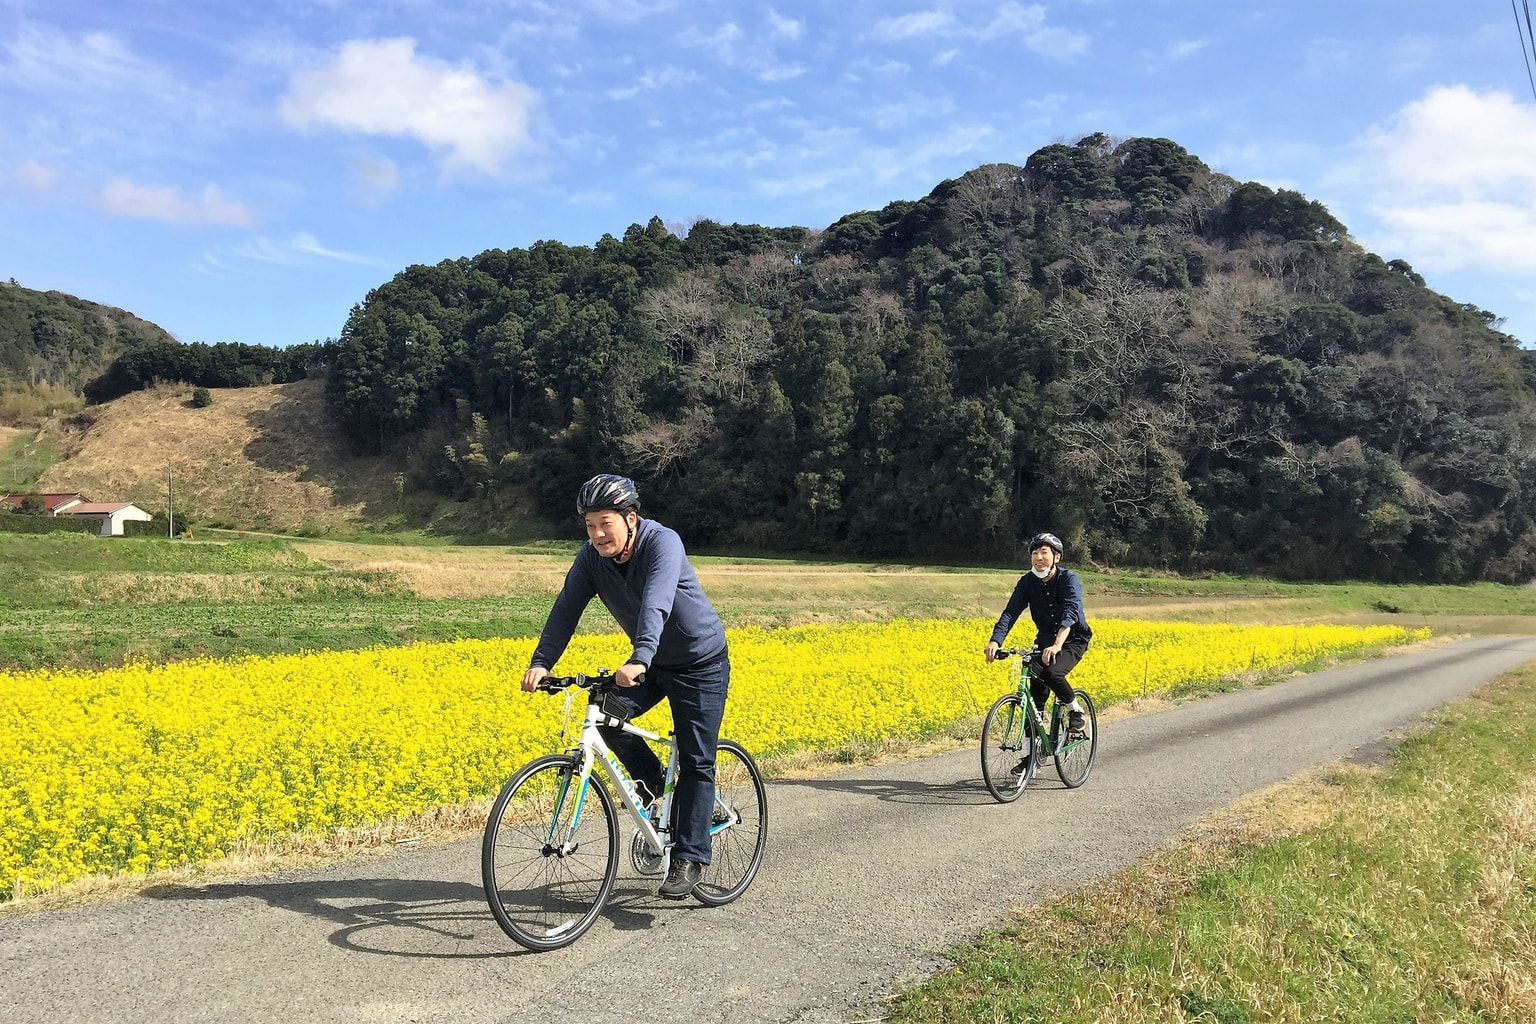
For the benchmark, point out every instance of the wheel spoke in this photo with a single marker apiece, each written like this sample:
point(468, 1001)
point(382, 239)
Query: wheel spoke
point(546, 883)
point(739, 826)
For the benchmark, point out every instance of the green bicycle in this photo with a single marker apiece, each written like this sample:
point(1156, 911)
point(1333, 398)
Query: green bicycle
point(550, 854)
point(1014, 736)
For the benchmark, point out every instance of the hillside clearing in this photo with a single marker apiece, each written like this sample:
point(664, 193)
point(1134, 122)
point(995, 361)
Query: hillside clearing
point(265, 457)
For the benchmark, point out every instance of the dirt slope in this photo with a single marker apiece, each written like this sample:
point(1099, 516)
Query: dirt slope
point(259, 458)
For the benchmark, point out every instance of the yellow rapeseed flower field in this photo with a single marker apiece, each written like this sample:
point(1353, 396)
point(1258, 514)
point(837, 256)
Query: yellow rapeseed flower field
point(149, 766)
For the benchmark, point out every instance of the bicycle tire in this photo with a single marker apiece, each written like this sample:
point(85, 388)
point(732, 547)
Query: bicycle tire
point(1007, 743)
point(737, 846)
point(543, 898)
point(1074, 758)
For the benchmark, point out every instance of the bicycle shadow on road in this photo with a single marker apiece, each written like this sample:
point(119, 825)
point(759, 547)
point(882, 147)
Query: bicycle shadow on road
point(389, 916)
point(901, 791)
point(409, 918)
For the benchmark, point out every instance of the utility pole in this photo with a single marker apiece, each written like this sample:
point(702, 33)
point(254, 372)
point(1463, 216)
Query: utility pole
point(170, 506)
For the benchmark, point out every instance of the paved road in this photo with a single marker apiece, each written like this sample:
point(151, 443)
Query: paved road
point(869, 877)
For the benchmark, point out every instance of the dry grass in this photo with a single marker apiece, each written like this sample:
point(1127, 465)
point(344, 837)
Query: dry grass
point(261, 457)
point(776, 593)
point(441, 573)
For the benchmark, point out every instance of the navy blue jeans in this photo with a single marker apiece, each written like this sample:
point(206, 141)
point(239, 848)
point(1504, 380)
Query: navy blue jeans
point(698, 704)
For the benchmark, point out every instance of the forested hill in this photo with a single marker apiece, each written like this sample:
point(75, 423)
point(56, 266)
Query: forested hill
point(1162, 364)
point(50, 338)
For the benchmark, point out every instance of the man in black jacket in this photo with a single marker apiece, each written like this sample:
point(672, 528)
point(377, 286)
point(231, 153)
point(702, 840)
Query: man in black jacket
point(1054, 597)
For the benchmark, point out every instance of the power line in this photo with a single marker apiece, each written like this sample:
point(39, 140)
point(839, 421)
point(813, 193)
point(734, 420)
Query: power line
point(1524, 31)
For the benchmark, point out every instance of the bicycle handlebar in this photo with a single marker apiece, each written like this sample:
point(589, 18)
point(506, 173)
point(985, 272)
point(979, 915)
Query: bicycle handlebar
point(603, 680)
point(1012, 652)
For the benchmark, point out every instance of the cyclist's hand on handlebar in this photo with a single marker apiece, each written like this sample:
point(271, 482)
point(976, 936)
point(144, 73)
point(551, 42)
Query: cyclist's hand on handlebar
point(991, 650)
point(534, 675)
point(631, 673)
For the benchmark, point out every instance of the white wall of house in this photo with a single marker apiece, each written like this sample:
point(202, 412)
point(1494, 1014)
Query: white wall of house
point(112, 522)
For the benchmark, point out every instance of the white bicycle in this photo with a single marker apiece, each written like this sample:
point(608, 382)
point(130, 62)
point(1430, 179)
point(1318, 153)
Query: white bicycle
point(550, 856)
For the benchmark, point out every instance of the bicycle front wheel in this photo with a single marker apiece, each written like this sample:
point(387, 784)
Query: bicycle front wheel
point(550, 853)
point(739, 829)
point(1007, 753)
point(1074, 751)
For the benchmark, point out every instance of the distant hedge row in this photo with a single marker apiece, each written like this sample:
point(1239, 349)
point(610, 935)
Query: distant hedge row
point(16, 522)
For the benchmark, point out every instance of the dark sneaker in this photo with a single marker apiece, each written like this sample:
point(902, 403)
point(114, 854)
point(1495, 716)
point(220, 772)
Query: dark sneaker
point(1018, 769)
point(682, 876)
point(1075, 721)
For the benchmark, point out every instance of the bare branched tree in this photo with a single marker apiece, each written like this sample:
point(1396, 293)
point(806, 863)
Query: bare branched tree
point(877, 311)
point(763, 278)
point(990, 194)
point(727, 364)
point(663, 447)
point(685, 315)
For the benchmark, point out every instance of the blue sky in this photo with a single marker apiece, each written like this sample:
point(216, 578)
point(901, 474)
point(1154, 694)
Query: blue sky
point(247, 172)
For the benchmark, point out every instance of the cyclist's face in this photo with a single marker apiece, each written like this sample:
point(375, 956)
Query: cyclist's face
point(607, 530)
point(1042, 558)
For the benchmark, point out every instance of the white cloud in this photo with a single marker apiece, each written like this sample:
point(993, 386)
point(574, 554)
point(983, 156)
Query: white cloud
point(1454, 182)
point(732, 47)
point(781, 72)
point(1186, 48)
point(381, 87)
point(1029, 22)
point(296, 250)
point(208, 207)
point(785, 28)
point(36, 177)
point(1008, 19)
point(660, 78)
point(918, 23)
point(374, 178)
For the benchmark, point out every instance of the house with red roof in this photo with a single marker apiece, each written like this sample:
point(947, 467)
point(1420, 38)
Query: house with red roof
point(112, 514)
point(53, 504)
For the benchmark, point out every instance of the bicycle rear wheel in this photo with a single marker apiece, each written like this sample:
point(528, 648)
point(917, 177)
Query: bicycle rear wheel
point(1074, 752)
point(549, 857)
point(1008, 753)
point(739, 831)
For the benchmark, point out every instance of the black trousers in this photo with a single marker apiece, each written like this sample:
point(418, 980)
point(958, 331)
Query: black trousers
point(1052, 678)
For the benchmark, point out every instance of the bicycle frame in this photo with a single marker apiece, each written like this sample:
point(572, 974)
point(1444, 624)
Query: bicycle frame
point(594, 752)
point(1020, 661)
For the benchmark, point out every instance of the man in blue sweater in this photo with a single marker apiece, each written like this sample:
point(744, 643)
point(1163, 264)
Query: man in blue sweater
point(1054, 597)
point(640, 572)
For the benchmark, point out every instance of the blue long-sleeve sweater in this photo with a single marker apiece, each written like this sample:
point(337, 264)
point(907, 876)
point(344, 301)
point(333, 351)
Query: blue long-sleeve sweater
point(655, 597)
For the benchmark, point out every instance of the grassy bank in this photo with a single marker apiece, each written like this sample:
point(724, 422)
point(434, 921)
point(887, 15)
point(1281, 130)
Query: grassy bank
point(80, 602)
point(1399, 894)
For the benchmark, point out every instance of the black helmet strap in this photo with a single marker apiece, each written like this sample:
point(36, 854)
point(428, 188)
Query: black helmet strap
point(629, 537)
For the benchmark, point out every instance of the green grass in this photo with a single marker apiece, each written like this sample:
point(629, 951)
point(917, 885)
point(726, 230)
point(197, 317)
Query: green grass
point(74, 600)
point(1402, 895)
point(23, 461)
point(93, 637)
